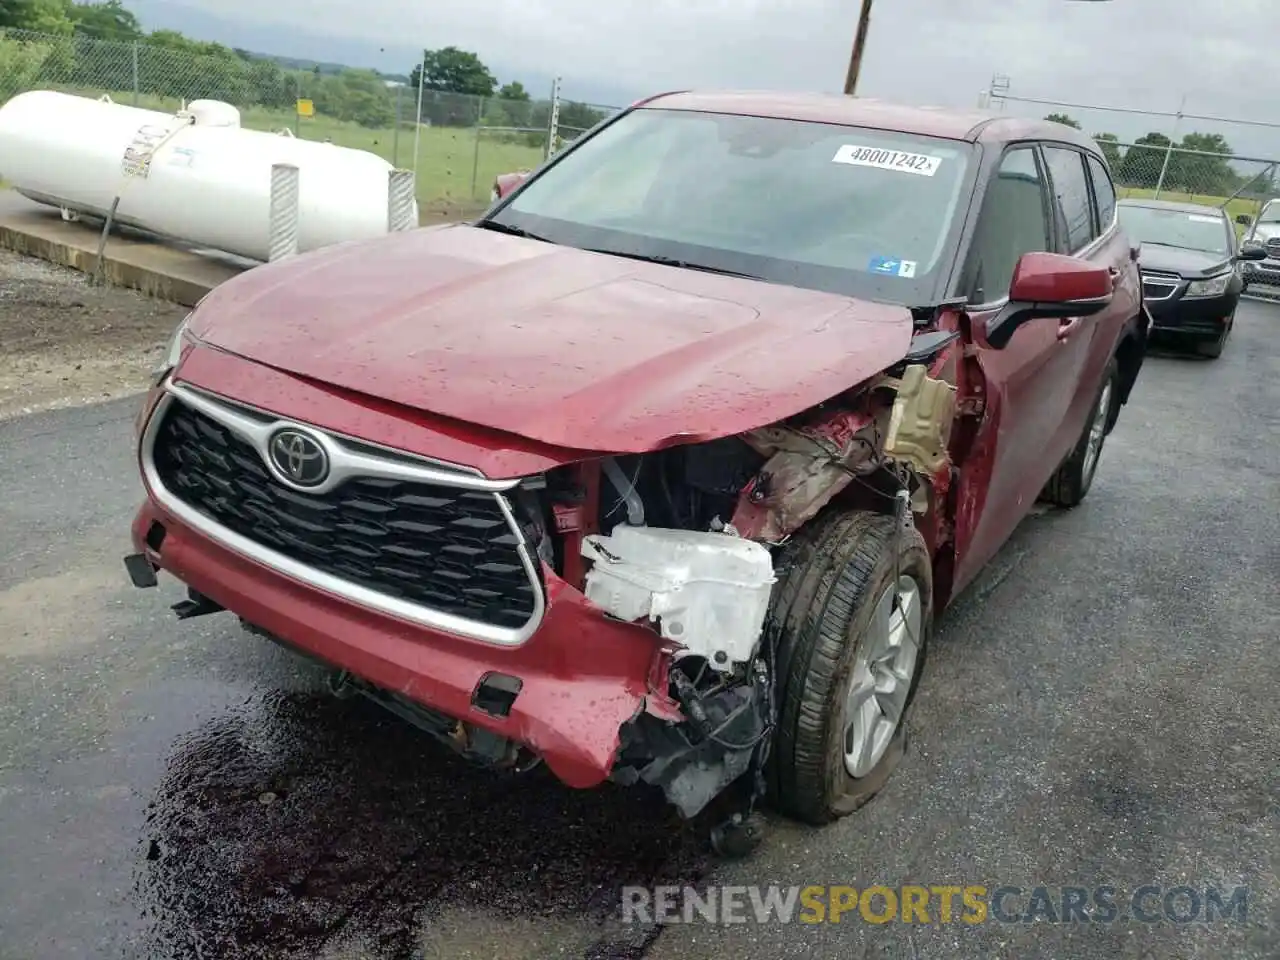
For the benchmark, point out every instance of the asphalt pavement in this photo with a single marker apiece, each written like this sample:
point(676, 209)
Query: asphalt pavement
point(1100, 709)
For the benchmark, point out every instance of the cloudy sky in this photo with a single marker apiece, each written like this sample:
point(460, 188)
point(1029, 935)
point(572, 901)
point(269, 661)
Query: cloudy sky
point(1144, 54)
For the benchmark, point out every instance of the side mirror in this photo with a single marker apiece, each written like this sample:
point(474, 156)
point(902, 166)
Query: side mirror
point(1244, 219)
point(1252, 251)
point(1050, 285)
point(506, 182)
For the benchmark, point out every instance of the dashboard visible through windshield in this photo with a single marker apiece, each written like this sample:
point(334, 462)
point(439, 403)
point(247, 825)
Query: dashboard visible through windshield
point(855, 211)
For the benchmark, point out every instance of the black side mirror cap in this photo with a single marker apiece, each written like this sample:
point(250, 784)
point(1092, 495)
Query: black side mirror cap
point(1244, 219)
point(1252, 251)
point(1001, 327)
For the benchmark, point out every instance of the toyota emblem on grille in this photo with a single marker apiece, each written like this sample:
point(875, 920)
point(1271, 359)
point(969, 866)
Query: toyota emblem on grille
point(299, 458)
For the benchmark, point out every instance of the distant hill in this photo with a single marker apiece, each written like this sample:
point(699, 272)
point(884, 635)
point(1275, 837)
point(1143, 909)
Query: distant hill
point(305, 49)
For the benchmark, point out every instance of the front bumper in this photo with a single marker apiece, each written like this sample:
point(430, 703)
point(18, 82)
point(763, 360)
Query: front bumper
point(1201, 317)
point(579, 675)
point(1262, 272)
point(582, 676)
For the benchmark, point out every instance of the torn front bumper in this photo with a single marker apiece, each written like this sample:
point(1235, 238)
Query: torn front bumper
point(581, 676)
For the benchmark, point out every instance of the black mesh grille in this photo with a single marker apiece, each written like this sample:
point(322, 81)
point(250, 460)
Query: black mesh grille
point(441, 547)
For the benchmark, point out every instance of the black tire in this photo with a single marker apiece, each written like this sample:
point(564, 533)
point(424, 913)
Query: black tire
point(831, 576)
point(1069, 485)
point(1213, 348)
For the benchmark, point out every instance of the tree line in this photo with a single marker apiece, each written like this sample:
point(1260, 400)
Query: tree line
point(102, 46)
point(1199, 163)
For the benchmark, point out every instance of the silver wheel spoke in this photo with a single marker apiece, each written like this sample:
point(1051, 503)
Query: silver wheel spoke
point(867, 730)
point(859, 694)
point(891, 702)
point(879, 636)
point(881, 677)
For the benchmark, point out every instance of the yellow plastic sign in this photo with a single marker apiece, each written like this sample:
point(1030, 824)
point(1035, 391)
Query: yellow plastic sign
point(306, 108)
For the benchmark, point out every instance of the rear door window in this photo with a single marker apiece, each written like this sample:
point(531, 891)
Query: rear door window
point(1072, 204)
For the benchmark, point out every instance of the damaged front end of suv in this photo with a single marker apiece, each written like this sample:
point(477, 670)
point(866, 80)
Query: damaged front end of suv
point(690, 542)
point(657, 575)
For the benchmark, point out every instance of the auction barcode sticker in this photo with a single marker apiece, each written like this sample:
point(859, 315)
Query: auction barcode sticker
point(882, 159)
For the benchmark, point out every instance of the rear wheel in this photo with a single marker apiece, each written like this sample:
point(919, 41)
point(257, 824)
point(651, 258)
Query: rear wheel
point(854, 610)
point(1071, 483)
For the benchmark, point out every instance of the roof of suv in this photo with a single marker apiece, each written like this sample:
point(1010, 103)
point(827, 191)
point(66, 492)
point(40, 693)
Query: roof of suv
point(950, 123)
point(1174, 205)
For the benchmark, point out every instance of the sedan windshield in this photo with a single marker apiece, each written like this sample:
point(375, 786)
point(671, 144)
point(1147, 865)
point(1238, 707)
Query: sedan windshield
point(848, 210)
point(1270, 213)
point(1176, 228)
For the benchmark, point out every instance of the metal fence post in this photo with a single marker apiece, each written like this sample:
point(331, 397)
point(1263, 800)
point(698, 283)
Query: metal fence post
point(475, 160)
point(137, 87)
point(417, 115)
point(283, 240)
point(402, 210)
point(395, 134)
point(1164, 169)
point(553, 129)
point(1168, 154)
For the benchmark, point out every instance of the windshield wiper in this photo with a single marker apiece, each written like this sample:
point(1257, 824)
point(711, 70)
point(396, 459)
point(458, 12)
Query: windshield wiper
point(674, 262)
point(508, 229)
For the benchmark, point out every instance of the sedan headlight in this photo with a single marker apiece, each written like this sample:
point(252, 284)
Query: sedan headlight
point(1212, 287)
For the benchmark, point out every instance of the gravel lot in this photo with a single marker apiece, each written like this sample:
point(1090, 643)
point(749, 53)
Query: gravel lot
point(1099, 709)
point(64, 342)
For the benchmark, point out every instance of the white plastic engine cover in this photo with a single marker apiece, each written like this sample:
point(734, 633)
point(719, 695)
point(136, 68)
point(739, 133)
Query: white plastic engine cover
point(709, 592)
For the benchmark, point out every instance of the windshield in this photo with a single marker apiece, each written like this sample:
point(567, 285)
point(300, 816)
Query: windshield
point(1270, 213)
point(848, 210)
point(1176, 228)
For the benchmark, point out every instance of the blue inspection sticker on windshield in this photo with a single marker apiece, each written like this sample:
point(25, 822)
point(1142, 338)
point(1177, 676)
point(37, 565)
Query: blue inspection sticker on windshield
point(892, 267)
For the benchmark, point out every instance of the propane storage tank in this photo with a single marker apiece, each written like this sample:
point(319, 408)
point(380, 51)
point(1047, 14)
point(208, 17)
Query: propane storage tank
point(195, 175)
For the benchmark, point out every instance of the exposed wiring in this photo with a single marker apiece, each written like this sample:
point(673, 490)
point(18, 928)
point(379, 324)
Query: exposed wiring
point(616, 478)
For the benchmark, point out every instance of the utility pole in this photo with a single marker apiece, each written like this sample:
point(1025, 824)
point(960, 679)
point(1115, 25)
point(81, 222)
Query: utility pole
point(859, 44)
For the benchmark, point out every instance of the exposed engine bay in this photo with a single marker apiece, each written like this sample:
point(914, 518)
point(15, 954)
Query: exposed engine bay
point(684, 540)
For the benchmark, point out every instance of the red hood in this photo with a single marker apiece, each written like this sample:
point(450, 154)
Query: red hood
point(552, 343)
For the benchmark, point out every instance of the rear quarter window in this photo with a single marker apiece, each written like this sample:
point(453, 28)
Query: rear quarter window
point(1104, 193)
point(1071, 197)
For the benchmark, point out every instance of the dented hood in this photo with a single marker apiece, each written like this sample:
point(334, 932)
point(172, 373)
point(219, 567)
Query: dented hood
point(552, 343)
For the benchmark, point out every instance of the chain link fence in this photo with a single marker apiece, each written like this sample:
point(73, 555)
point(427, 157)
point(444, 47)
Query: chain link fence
point(456, 148)
point(1166, 172)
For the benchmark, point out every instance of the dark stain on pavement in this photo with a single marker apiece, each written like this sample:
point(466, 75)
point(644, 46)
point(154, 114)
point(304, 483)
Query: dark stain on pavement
point(299, 818)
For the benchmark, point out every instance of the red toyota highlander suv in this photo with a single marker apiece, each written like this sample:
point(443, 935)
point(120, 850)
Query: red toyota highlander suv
point(661, 470)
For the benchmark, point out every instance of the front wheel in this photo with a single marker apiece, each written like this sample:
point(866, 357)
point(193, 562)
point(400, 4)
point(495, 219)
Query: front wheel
point(1068, 486)
point(1213, 348)
point(854, 611)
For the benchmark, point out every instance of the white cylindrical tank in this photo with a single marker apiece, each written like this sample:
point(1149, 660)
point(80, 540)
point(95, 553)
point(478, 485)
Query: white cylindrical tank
point(198, 176)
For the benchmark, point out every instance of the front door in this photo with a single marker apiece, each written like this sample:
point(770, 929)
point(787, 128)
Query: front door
point(1035, 203)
